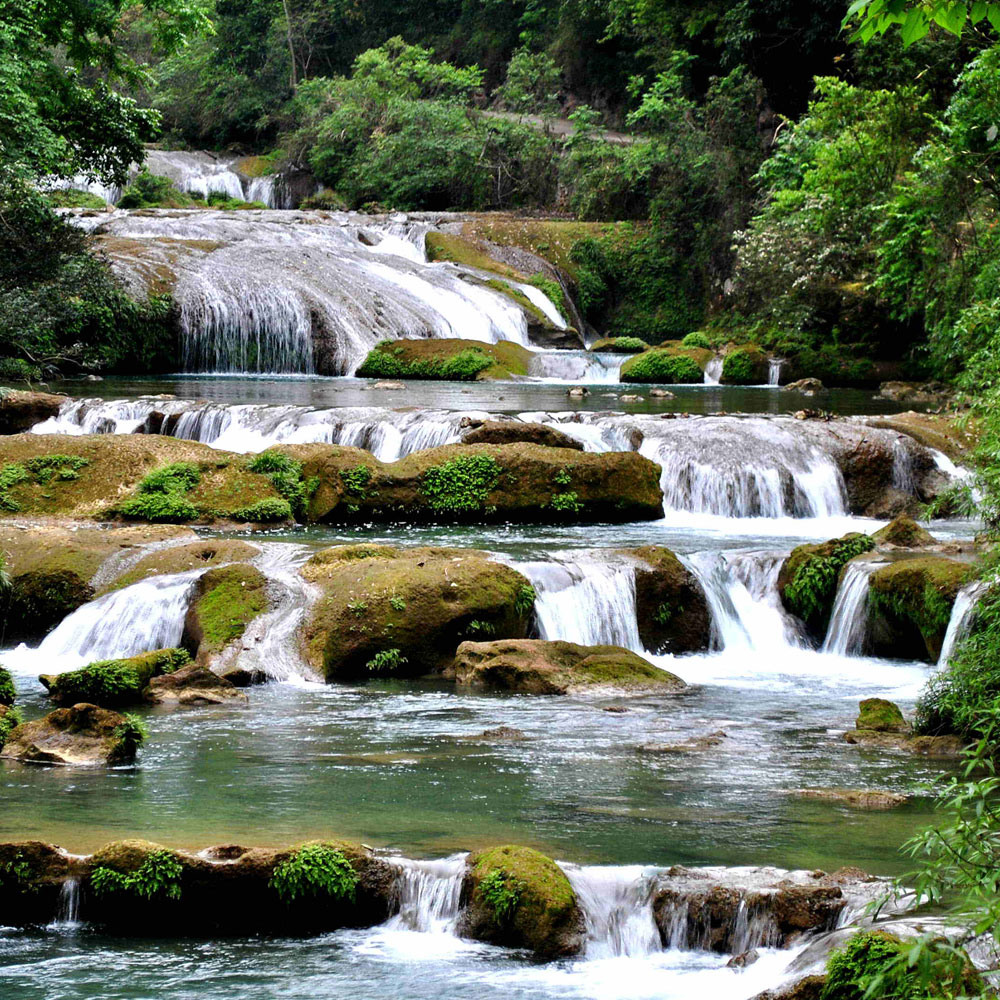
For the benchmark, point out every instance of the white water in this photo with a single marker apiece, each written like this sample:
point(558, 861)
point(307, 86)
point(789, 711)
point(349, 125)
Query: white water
point(713, 371)
point(963, 616)
point(68, 908)
point(846, 633)
point(581, 367)
point(774, 366)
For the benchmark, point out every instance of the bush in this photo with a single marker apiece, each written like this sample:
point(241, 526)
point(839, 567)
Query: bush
point(19, 370)
point(738, 368)
point(159, 877)
point(325, 200)
point(662, 366)
point(266, 511)
point(315, 870)
point(9, 721)
point(285, 474)
point(7, 690)
point(150, 191)
point(130, 734)
point(386, 661)
point(160, 496)
point(696, 339)
point(464, 366)
point(462, 484)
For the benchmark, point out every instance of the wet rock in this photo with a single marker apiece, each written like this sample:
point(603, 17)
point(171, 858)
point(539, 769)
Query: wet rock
point(744, 959)
point(81, 735)
point(511, 431)
point(671, 608)
point(193, 685)
point(544, 916)
point(619, 345)
point(241, 677)
point(923, 746)
point(223, 603)
point(389, 385)
point(34, 873)
point(747, 365)
point(630, 398)
point(578, 391)
point(881, 716)
point(113, 683)
point(501, 734)
point(658, 393)
point(806, 988)
point(903, 532)
point(403, 612)
point(695, 744)
point(20, 411)
point(536, 666)
point(917, 393)
point(804, 385)
point(446, 358)
point(871, 799)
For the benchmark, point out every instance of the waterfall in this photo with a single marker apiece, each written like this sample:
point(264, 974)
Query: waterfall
point(846, 633)
point(585, 367)
point(774, 366)
point(742, 594)
point(617, 905)
point(429, 894)
point(67, 907)
point(713, 371)
point(963, 616)
point(145, 616)
point(591, 603)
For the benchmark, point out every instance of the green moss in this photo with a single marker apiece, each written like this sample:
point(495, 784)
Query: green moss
point(462, 484)
point(74, 198)
point(285, 474)
point(881, 716)
point(743, 367)
point(40, 470)
point(553, 292)
point(230, 598)
point(161, 495)
point(159, 877)
point(462, 367)
point(696, 339)
point(315, 871)
point(114, 683)
point(660, 365)
point(7, 690)
point(267, 511)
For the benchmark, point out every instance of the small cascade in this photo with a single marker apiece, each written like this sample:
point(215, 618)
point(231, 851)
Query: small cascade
point(742, 593)
point(617, 905)
point(846, 633)
point(774, 366)
point(145, 616)
point(429, 893)
point(963, 617)
point(713, 371)
point(903, 478)
point(67, 907)
point(583, 367)
point(691, 923)
point(592, 604)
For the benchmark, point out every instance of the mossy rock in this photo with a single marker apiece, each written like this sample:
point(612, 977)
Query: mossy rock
point(910, 603)
point(446, 359)
point(619, 345)
point(384, 611)
point(39, 600)
point(513, 431)
point(84, 735)
point(665, 366)
point(880, 716)
point(745, 366)
point(113, 683)
point(224, 602)
point(671, 609)
point(195, 685)
point(536, 666)
point(904, 533)
point(542, 912)
point(809, 577)
point(32, 874)
point(207, 553)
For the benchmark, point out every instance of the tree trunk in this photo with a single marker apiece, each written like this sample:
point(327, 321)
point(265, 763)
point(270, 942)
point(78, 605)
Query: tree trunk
point(291, 45)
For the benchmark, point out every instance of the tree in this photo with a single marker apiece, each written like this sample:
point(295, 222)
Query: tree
point(915, 17)
point(59, 63)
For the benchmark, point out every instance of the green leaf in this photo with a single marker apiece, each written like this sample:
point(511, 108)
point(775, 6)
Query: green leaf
point(915, 26)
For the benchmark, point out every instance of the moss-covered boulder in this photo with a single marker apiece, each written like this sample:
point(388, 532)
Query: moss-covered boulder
point(536, 666)
point(514, 431)
point(40, 600)
point(619, 345)
point(903, 532)
point(20, 411)
point(745, 366)
point(113, 683)
point(880, 716)
point(224, 602)
point(519, 898)
point(32, 874)
point(394, 612)
point(193, 684)
point(669, 365)
point(206, 553)
point(809, 576)
point(80, 735)
point(475, 483)
point(447, 359)
point(910, 602)
point(671, 609)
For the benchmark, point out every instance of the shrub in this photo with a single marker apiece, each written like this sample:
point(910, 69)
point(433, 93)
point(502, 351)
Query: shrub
point(501, 893)
point(178, 477)
point(7, 690)
point(738, 368)
point(10, 720)
point(464, 366)
point(19, 370)
point(16, 875)
point(325, 200)
point(696, 339)
point(567, 502)
point(315, 870)
point(159, 877)
point(265, 511)
point(150, 191)
point(130, 734)
point(462, 484)
point(74, 198)
point(386, 661)
point(160, 495)
point(661, 366)
point(524, 601)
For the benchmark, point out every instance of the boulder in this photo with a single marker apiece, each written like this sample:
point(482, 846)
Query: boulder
point(20, 411)
point(536, 666)
point(618, 345)
point(672, 365)
point(917, 393)
point(747, 365)
point(910, 602)
point(923, 746)
point(519, 898)
point(881, 716)
point(193, 685)
point(113, 683)
point(81, 735)
point(804, 385)
point(871, 799)
point(871, 475)
point(385, 611)
point(903, 532)
point(512, 431)
point(806, 988)
point(671, 609)
point(224, 602)
point(33, 876)
point(448, 359)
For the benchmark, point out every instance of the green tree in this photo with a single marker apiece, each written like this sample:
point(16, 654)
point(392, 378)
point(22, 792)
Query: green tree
point(915, 18)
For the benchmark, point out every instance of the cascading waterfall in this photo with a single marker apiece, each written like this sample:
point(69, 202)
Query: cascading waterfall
point(67, 907)
point(963, 616)
point(713, 372)
point(846, 633)
point(591, 603)
point(585, 367)
point(774, 366)
point(429, 893)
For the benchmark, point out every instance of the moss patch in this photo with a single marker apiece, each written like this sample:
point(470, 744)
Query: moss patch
point(447, 359)
point(744, 366)
point(113, 683)
point(225, 601)
point(662, 365)
point(880, 716)
point(904, 532)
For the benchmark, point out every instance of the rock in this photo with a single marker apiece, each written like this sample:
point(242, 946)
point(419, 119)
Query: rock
point(857, 798)
point(870, 471)
point(193, 685)
point(923, 746)
point(744, 959)
point(917, 393)
point(578, 390)
point(389, 385)
point(208, 553)
point(747, 365)
point(536, 666)
point(113, 683)
point(446, 358)
point(881, 716)
point(904, 533)
point(807, 581)
point(671, 609)
point(94, 378)
point(806, 988)
point(910, 602)
point(673, 364)
point(40, 600)
point(81, 735)
point(511, 431)
point(628, 398)
point(619, 345)
point(223, 603)
point(502, 734)
point(34, 873)
point(241, 677)
point(707, 741)
point(659, 393)
point(384, 611)
point(20, 411)
point(804, 385)
point(544, 914)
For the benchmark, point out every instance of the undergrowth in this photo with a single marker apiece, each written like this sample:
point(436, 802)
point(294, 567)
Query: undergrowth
point(315, 870)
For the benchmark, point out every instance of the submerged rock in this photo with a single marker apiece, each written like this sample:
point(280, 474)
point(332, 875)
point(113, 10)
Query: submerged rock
point(707, 741)
point(536, 666)
point(857, 798)
point(193, 685)
point(671, 609)
point(81, 735)
point(922, 746)
point(385, 611)
point(512, 431)
point(519, 898)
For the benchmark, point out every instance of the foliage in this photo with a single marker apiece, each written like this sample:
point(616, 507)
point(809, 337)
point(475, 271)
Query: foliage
point(464, 366)
point(149, 191)
point(915, 19)
point(113, 683)
point(501, 893)
point(866, 957)
point(159, 877)
point(460, 484)
point(265, 511)
point(40, 471)
point(738, 368)
point(315, 870)
point(662, 366)
point(16, 874)
point(696, 339)
point(9, 721)
point(19, 370)
point(568, 502)
point(356, 481)
point(532, 83)
point(386, 661)
point(131, 733)
point(161, 495)
point(285, 474)
point(524, 602)
point(814, 583)
point(7, 690)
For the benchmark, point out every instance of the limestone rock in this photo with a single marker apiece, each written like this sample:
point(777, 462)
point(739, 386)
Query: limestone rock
point(511, 431)
point(81, 735)
point(903, 532)
point(671, 609)
point(193, 685)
